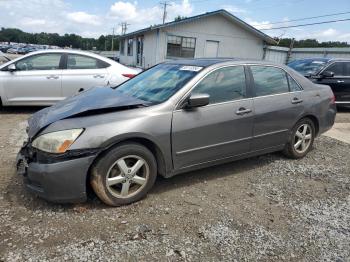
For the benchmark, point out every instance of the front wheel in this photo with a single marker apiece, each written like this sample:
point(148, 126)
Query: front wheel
point(124, 174)
point(301, 139)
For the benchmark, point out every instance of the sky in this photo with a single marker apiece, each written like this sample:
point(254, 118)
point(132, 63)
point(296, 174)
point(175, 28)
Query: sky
point(91, 18)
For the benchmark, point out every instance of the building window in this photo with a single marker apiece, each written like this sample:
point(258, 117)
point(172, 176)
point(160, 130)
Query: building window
point(130, 46)
point(122, 46)
point(179, 46)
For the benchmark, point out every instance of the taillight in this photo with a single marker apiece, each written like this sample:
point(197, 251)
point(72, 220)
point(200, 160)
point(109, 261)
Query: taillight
point(129, 75)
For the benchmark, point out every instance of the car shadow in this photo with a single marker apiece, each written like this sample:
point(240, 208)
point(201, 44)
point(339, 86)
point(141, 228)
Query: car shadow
point(20, 110)
point(19, 196)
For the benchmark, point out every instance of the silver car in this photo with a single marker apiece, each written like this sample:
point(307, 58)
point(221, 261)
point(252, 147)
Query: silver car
point(46, 77)
point(173, 118)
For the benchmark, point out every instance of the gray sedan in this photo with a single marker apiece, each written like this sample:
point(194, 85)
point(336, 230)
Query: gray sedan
point(173, 118)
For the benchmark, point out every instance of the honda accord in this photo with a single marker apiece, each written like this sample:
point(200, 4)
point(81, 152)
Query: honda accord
point(173, 118)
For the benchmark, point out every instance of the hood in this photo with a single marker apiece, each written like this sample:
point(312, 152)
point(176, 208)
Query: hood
point(90, 101)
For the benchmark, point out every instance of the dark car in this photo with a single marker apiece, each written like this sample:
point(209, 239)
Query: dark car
point(170, 119)
point(328, 71)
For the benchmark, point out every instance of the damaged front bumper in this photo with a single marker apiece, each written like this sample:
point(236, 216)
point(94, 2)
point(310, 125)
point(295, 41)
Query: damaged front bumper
point(56, 178)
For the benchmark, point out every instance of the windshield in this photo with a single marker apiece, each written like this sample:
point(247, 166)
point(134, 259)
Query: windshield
point(159, 83)
point(308, 66)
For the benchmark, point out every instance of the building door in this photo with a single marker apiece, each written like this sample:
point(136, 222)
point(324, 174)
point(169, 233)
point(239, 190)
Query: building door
point(211, 48)
point(139, 51)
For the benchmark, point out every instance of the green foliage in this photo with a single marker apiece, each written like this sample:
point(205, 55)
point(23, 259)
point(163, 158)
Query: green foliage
point(310, 43)
point(179, 17)
point(67, 40)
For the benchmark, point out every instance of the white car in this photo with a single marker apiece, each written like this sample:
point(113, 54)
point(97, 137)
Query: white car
point(46, 77)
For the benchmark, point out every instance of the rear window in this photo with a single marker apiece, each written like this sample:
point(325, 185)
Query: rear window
point(308, 66)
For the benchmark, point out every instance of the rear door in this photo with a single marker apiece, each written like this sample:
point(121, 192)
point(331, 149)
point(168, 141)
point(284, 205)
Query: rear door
point(276, 108)
point(83, 72)
point(219, 130)
point(37, 80)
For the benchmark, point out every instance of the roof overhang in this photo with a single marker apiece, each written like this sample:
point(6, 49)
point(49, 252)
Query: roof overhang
point(224, 13)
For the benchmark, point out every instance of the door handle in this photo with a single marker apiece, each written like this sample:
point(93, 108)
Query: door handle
point(52, 77)
point(297, 100)
point(99, 76)
point(243, 111)
point(340, 81)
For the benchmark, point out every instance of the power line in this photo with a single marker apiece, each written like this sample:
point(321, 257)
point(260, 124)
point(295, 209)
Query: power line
point(301, 25)
point(307, 18)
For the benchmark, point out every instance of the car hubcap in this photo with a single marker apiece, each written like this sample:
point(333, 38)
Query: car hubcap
point(302, 138)
point(127, 176)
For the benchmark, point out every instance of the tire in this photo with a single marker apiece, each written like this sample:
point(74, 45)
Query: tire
point(294, 148)
point(124, 174)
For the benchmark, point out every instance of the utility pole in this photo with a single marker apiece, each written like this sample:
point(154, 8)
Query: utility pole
point(112, 38)
point(124, 26)
point(164, 4)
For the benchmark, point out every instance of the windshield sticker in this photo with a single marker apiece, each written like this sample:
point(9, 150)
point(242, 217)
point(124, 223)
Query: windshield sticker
point(318, 62)
point(191, 68)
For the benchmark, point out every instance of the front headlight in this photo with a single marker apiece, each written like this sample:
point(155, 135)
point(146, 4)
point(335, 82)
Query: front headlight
point(57, 142)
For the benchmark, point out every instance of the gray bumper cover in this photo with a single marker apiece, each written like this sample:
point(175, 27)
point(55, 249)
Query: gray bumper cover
point(61, 181)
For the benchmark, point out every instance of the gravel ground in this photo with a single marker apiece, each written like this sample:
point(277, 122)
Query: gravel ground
point(266, 208)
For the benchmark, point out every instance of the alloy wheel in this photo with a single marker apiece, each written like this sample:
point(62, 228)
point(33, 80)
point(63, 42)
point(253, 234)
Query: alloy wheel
point(303, 138)
point(127, 176)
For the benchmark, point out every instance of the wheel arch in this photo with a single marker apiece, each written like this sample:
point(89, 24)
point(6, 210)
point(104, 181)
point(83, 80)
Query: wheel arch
point(315, 120)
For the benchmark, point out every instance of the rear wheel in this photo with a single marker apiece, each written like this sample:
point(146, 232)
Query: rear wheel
point(301, 139)
point(124, 174)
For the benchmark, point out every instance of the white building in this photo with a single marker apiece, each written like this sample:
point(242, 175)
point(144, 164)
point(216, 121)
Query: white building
point(214, 34)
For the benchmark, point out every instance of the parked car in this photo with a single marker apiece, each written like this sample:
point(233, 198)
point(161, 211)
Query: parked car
point(176, 117)
point(45, 77)
point(328, 71)
point(3, 58)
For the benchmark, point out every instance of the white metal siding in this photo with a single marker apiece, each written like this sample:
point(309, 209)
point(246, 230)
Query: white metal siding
point(234, 41)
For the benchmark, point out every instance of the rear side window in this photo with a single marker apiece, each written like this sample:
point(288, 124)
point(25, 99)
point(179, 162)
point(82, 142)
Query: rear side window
point(84, 62)
point(269, 80)
point(293, 86)
point(222, 85)
point(336, 68)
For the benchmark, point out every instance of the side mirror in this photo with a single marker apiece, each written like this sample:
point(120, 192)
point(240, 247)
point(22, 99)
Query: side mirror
point(12, 67)
point(197, 100)
point(327, 74)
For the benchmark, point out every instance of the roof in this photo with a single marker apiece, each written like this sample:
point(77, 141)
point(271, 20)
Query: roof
point(222, 12)
point(324, 59)
point(206, 62)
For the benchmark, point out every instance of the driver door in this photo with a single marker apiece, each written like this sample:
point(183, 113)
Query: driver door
point(221, 129)
point(37, 80)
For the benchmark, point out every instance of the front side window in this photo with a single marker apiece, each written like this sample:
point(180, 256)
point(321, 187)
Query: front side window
point(84, 62)
point(179, 46)
point(130, 46)
point(222, 85)
point(336, 68)
point(159, 83)
point(269, 80)
point(39, 62)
